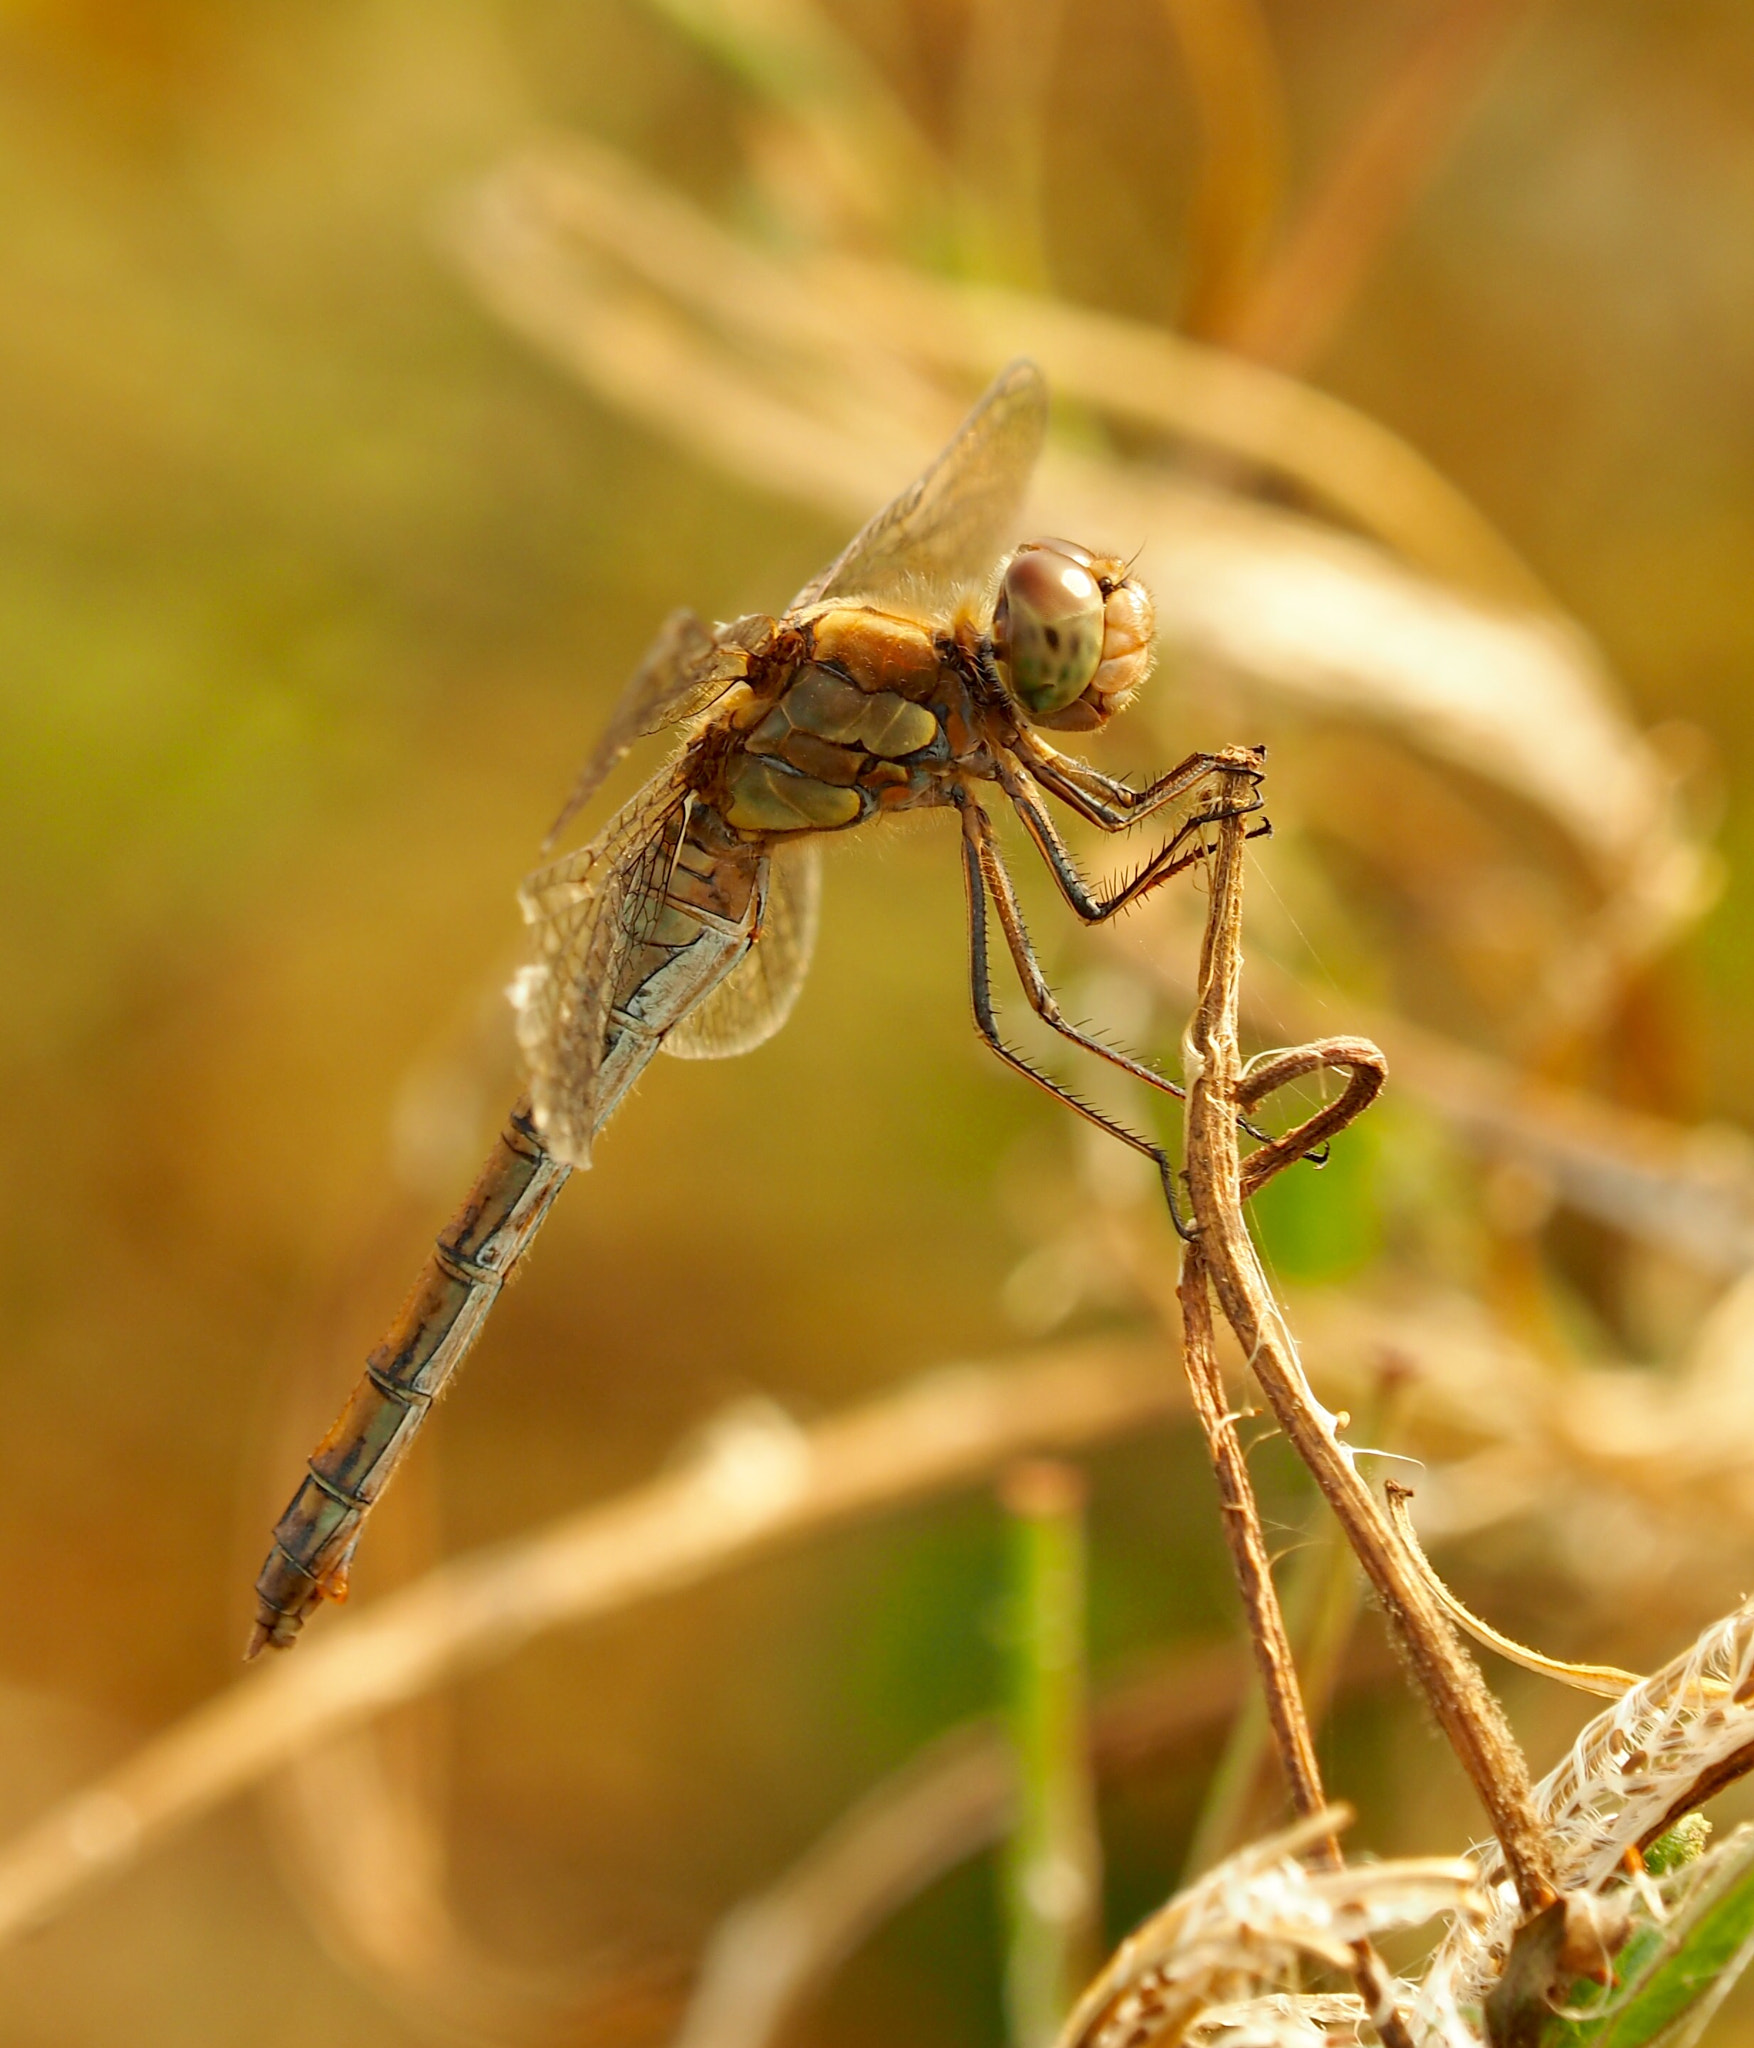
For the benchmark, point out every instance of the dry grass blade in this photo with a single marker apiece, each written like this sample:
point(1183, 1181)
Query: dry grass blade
point(862, 147)
point(756, 1481)
point(797, 379)
point(1257, 418)
point(773, 1952)
point(1607, 1681)
point(1658, 1753)
point(1239, 115)
point(570, 220)
point(1248, 1927)
point(1688, 1190)
point(1006, 80)
point(1379, 175)
point(383, 1907)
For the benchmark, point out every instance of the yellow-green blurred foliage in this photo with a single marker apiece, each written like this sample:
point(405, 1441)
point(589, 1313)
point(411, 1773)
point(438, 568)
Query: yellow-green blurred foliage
point(313, 587)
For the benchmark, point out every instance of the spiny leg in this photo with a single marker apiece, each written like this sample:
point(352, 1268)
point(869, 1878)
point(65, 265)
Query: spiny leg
point(1042, 999)
point(1113, 805)
point(976, 838)
point(1090, 904)
point(1094, 908)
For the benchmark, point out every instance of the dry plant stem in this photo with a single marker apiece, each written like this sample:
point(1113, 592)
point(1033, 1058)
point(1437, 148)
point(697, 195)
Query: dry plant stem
point(773, 1952)
point(1466, 1711)
point(1322, 1597)
point(1266, 1621)
point(1247, 1542)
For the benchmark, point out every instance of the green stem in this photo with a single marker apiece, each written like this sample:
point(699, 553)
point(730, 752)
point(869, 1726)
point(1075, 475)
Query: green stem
point(1053, 1864)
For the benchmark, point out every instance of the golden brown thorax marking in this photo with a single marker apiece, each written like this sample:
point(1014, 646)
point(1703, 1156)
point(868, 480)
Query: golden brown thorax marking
point(828, 746)
point(878, 652)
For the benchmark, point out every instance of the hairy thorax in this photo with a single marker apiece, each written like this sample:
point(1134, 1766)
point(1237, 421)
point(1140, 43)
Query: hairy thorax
point(851, 711)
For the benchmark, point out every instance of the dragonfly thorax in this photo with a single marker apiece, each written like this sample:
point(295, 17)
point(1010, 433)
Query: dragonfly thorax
point(1071, 635)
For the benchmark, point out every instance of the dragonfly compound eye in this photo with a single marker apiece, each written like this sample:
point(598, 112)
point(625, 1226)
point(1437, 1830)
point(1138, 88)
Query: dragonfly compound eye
point(1048, 626)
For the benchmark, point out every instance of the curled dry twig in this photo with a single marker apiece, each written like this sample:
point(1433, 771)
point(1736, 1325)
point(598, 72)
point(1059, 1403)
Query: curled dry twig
point(1689, 1191)
point(1466, 1711)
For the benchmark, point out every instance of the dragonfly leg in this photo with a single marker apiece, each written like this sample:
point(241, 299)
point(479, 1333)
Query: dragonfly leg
point(983, 875)
point(1112, 805)
point(1093, 906)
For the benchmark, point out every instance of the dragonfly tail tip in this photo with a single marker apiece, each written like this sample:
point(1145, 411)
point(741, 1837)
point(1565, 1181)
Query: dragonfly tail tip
point(263, 1636)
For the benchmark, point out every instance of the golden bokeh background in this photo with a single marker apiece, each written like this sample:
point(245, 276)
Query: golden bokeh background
point(317, 580)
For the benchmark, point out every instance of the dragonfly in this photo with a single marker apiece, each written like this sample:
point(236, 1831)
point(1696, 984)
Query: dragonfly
point(924, 667)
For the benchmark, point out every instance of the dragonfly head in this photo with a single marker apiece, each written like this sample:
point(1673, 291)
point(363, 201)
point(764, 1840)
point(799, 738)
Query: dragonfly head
point(1071, 634)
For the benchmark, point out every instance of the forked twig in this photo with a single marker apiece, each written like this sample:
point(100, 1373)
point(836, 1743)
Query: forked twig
point(1266, 1621)
point(1218, 1088)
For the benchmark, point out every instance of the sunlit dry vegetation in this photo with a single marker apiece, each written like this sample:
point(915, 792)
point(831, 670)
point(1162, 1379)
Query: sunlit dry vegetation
point(822, 1545)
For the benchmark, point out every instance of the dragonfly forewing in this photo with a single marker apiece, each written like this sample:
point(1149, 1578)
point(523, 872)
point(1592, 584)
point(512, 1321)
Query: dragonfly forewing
point(942, 537)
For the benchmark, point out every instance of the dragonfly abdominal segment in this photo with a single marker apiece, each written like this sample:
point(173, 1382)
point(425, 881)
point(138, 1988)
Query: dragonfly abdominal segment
point(314, 1539)
point(922, 668)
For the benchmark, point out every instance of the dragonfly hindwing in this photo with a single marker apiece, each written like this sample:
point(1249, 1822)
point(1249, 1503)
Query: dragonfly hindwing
point(684, 672)
point(757, 996)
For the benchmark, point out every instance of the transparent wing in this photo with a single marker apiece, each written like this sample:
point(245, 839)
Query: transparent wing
point(686, 669)
point(757, 996)
point(944, 533)
point(587, 913)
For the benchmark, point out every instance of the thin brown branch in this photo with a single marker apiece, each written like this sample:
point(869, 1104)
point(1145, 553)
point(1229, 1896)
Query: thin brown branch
point(1266, 1621)
point(1466, 1711)
point(1247, 1543)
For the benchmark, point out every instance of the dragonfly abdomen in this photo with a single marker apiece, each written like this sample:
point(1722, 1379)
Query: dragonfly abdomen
point(441, 1318)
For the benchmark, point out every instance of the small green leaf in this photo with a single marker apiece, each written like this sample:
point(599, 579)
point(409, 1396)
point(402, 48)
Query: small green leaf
point(1666, 1970)
point(1683, 1844)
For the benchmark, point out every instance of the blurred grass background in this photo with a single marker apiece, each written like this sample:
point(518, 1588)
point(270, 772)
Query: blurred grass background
point(314, 585)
